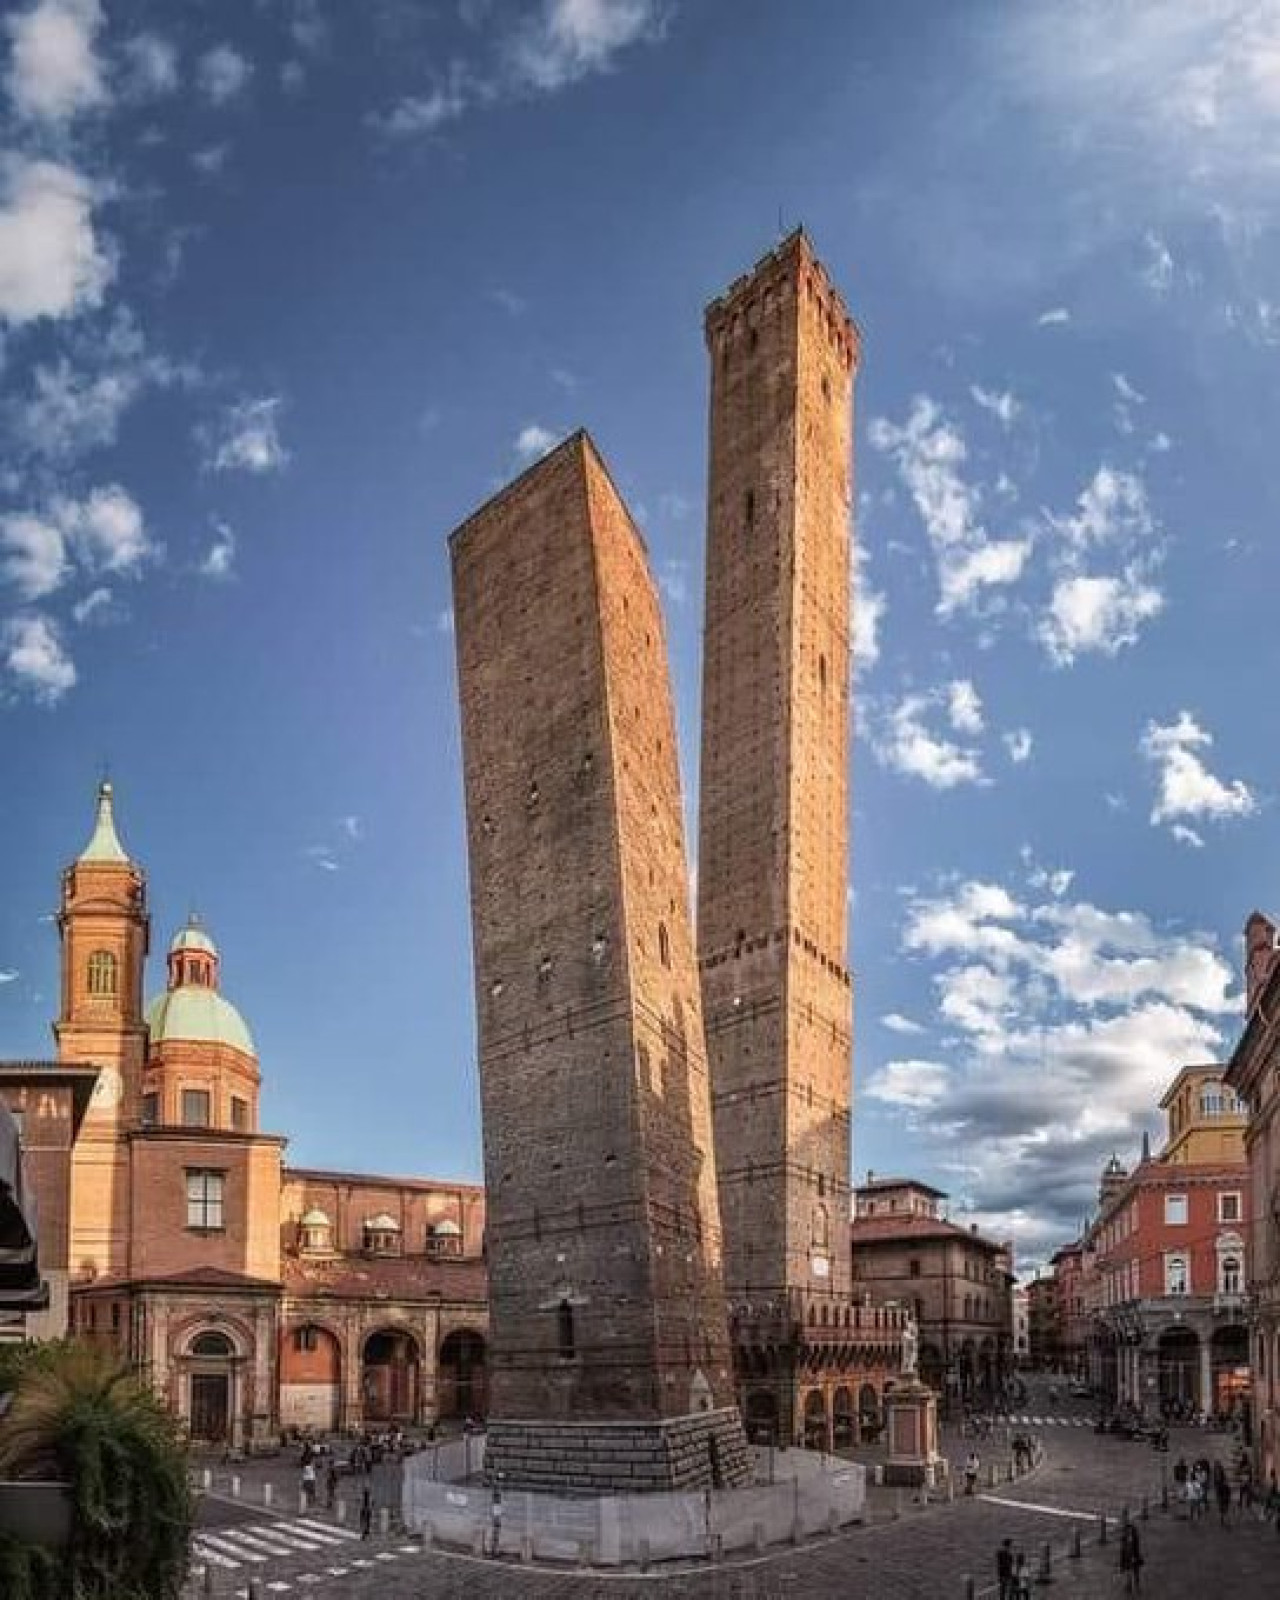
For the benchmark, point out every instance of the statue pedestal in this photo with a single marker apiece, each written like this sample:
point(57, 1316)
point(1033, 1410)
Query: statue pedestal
point(911, 1414)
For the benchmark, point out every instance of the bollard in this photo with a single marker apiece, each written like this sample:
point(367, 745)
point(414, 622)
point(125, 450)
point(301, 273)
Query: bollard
point(758, 1536)
point(897, 1503)
point(206, 1478)
point(526, 1548)
point(268, 1490)
point(255, 1590)
point(207, 1585)
point(384, 1520)
point(1045, 1575)
point(1074, 1552)
point(993, 1477)
point(340, 1511)
point(235, 1486)
point(1102, 1527)
point(970, 1589)
point(1164, 1497)
point(302, 1502)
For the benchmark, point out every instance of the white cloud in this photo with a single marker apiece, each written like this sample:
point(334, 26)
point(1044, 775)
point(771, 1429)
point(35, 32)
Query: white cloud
point(1055, 317)
point(904, 744)
point(352, 826)
point(9, 975)
point(929, 453)
point(445, 621)
point(1111, 507)
point(565, 40)
point(246, 438)
point(76, 405)
point(35, 658)
point(51, 262)
point(914, 1084)
point(897, 1023)
point(152, 66)
point(223, 73)
point(964, 707)
point(552, 46)
point(1018, 743)
point(106, 530)
point(867, 609)
point(321, 856)
point(1001, 404)
point(219, 559)
point(1067, 1022)
point(534, 440)
point(673, 580)
point(54, 72)
point(1187, 789)
point(1157, 270)
point(1187, 836)
point(1097, 615)
point(34, 554)
point(97, 606)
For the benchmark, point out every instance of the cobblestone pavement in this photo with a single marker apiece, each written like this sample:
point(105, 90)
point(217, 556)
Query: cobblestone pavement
point(923, 1554)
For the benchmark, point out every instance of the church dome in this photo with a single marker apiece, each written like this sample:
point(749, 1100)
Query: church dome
point(198, 1015)
point(193, 937)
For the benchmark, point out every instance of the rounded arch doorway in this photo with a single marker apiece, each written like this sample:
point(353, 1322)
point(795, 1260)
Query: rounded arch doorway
point(390, 1369)
point(210, 1410)
point(460, 1383)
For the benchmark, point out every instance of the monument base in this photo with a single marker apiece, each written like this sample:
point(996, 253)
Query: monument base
point(912, 1414)
point(705, 1450)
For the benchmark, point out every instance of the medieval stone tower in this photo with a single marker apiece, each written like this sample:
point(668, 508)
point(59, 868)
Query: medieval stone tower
point(105, 927)
point(773, 858)
point(611, 1365)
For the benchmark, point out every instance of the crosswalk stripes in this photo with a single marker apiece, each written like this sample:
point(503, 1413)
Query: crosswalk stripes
point(1026, 1421)
point(240, 1544)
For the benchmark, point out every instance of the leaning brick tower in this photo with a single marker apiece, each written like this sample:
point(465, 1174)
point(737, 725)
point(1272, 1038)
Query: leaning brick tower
point(773, 858)
point(611, 1366)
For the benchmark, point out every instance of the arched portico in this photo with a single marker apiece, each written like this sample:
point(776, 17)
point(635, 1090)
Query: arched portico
point(461, 1372)
point(390, 1376)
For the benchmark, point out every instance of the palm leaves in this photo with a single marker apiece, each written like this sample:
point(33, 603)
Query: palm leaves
point(81, 1418)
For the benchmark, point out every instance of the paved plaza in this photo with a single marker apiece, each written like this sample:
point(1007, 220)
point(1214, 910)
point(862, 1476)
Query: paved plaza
point(902, 1552)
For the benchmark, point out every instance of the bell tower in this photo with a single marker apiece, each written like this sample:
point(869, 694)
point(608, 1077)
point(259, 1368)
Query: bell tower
point(104, 927)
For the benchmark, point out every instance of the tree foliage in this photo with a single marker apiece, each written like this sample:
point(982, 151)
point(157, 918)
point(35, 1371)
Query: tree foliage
point(79, 1417)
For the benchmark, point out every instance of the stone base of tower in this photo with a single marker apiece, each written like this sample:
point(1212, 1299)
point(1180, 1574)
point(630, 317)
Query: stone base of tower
point(705, 1450)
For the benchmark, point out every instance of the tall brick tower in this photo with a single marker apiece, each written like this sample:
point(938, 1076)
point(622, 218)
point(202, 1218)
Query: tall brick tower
point(105, 928)
point(610, 1351)
point(773, 859)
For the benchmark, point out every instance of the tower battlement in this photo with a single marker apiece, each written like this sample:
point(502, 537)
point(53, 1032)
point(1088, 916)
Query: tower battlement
point(792, 267)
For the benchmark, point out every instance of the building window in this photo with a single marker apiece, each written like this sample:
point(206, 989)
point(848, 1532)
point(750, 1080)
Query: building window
point(1211, 1100)
point(115, 1316)
point(749, 507)
point(1229, 1275)
point(305, 1338)
point(239, 1114)
point(150, 1110)
point(195, 1108)
point(1228, 1208)
point(821, 1228)
point(664, 945)
point(382, 1235)
point(913, 1267)
point(1175, 1274)
point(565, 1331)
point(204, 1200)
point(103, 972)
point(1175, 1210)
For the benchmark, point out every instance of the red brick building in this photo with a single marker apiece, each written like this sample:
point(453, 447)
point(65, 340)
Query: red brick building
point(253, 1296)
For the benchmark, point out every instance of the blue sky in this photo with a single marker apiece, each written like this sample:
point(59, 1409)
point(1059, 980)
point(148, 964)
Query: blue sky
point(287, 289)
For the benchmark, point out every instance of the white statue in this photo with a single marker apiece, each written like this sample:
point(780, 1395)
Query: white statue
point(910, 1346)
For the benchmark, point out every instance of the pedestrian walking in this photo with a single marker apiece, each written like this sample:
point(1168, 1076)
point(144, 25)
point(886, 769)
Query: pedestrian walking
point(331, 1483)
point(1004, 1569)
point(1244, 1483)
point(972, 1467)
point(309, 1484)
point(1131, 1558)
point(1222, 1494)
point(1021, 1577)
point(366, 1513)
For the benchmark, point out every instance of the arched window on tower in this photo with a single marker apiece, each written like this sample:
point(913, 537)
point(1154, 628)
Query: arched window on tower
point(103, 973)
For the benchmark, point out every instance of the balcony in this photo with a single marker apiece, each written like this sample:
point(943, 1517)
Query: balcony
point(1233, 1305)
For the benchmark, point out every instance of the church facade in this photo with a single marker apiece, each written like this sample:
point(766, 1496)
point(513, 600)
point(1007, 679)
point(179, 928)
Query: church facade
point(252, 1295)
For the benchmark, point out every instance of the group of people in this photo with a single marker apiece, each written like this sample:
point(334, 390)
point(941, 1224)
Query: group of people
point(1198, 1482)
point(318, 1457)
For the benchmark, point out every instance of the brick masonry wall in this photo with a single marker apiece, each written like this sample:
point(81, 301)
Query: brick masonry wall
point(703, 1451)
point(773, 857)
point(599, 1168)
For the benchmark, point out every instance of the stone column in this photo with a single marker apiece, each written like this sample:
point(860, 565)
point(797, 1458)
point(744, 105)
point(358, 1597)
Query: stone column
point(1206, 1375)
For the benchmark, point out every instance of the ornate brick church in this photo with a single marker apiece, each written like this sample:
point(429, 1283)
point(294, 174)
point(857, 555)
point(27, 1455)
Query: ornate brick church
point(254, 1296)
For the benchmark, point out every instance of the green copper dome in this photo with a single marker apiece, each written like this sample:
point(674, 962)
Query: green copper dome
point(193, 937)
point(200, 1015)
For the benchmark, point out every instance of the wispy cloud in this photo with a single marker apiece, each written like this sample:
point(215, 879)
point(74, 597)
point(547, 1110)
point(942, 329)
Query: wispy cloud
point(52, 262)
point(222, 74)
point(102, 533)
point(1001, 403)
point(1187, 790)
point(904, 742)
point(35, 658)
point(246, 438)
point(219, 560)
point(534, 441)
